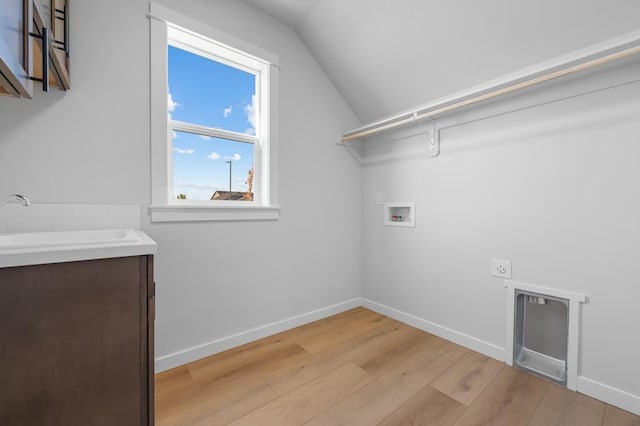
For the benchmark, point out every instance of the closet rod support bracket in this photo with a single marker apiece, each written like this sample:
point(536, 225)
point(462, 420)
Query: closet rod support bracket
point(434, 140)
point(433, 136)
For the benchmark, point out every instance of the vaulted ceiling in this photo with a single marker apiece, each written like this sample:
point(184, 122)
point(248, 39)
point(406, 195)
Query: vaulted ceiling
point(388, 56)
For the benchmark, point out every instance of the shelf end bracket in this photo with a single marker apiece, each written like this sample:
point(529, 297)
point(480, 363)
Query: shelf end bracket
point(433, 136)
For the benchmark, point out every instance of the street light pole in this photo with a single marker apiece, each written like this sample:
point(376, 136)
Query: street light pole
point(229, 162)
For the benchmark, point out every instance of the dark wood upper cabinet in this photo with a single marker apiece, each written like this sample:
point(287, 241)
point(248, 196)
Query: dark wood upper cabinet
point(34, 46)
point(54, 16)
point(15, 57)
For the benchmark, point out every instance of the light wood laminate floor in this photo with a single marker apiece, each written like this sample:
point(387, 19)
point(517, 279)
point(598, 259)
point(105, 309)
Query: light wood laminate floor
point(362, 368)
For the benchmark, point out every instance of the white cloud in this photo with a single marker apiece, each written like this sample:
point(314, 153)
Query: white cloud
point(205, 137)
point(228, 111)
point(171, 104)
point(183, 151)
point(175, 135)
point(234, 157)
point(251, 110)
point(213, 156)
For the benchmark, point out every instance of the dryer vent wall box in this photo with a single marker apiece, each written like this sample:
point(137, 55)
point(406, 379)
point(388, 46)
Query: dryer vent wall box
point(400, 214)
point(541, 335)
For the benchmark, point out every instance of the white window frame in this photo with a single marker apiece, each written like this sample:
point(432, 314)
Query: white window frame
point(170, 28)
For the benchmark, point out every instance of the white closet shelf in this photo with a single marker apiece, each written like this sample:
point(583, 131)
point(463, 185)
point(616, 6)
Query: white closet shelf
point(565, 65)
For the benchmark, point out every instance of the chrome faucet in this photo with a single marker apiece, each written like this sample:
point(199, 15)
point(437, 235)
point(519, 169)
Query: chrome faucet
point(24, 200)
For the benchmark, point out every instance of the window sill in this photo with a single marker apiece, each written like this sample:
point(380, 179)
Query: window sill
point(211, 214)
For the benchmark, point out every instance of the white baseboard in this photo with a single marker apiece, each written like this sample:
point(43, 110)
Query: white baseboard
point(610, 395)
point(485, 348)
point(176, 359)
point(600, 391)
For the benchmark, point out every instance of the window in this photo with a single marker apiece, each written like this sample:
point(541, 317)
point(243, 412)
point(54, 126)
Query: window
point(213, 144)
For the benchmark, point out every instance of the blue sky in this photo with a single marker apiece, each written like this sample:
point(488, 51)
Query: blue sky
point(205, 92)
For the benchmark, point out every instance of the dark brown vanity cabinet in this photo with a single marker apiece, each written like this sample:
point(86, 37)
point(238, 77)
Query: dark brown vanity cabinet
point(76, 343)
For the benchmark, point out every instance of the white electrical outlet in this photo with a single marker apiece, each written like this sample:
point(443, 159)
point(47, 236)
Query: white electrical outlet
point(501, 268)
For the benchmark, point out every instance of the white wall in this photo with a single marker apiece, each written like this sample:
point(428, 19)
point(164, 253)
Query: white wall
point(218, 279)
point(387, 56)
point(553, 188)
point(91, 145)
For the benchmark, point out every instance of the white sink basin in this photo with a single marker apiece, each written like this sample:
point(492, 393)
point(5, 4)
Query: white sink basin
point(45, 239)
point(53, 247)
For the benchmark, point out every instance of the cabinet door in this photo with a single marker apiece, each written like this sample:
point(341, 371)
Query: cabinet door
point(54, 15)
point(15, 23)
point(73, 345)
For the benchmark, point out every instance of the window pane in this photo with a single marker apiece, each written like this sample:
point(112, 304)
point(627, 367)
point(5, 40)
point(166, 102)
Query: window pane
point(201, 166)
point(209, 93)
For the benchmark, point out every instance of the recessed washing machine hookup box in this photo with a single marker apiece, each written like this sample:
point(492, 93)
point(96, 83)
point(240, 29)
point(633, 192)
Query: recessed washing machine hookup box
point(400, 214)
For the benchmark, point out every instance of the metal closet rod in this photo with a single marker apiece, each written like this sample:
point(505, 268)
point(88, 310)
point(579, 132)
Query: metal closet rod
point(449, 105)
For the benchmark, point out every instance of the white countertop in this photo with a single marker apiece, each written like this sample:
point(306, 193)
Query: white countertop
point(54, 247)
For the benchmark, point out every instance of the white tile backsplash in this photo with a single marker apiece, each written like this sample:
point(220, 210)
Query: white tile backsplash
point(14, 210)
point(49, 210)
point(68, 217)
point(107, 222)
point(90, 210)
point(28, 224)
point(72, 223)
point(124, 210)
